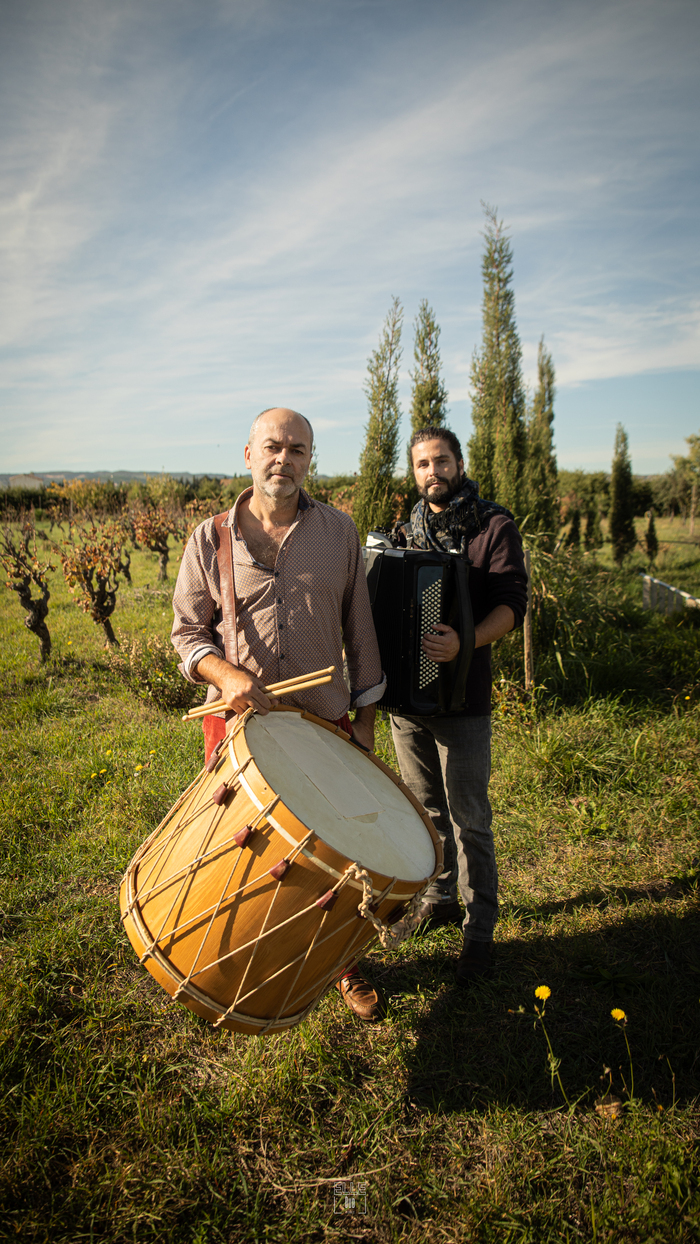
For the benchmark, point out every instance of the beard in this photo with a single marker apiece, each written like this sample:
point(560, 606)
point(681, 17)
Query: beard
point(276, 489)
point(440, 491)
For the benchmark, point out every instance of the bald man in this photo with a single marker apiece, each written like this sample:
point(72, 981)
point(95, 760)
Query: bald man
point(301, 598)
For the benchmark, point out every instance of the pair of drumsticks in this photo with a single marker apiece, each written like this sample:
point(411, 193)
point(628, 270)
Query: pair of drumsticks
point(301, 683)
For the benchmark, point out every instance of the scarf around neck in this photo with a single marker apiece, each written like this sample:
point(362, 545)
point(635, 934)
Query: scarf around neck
point(465, 515)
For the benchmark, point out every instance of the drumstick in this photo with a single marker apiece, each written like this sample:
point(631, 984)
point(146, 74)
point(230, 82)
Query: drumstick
point(215, 706)
point(288, 682)
point(218, 706)
point(276, 687)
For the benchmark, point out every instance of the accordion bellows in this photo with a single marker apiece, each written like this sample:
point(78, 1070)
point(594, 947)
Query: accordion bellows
point(410, 590)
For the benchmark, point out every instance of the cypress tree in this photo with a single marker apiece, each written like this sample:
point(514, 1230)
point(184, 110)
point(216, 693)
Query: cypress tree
point(429, 395)
point(623, 536)
point(374, 492)
point(541, 475)
point(651, 540)
point(497, 447)
point(573, 539)
point(593, 534)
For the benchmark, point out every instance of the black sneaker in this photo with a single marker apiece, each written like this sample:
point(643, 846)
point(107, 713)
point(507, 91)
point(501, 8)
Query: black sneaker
point(435, 915)
point(475, 962)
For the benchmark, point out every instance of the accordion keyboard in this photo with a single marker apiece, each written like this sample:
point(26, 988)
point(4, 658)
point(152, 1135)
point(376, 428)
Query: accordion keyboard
point(430, 605)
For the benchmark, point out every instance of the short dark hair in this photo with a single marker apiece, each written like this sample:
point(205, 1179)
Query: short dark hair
point(435, 433)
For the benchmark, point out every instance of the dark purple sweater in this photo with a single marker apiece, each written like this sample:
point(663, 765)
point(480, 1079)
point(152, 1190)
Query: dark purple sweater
point(497, 577)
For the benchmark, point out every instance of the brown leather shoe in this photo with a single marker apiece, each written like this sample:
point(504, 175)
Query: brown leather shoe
point(362, 998)
point(475, 962)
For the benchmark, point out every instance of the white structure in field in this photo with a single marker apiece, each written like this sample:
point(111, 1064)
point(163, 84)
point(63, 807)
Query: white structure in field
point(26, 481)
point(665, 599)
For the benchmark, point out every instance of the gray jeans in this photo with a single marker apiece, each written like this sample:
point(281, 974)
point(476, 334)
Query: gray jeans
point(446, 762)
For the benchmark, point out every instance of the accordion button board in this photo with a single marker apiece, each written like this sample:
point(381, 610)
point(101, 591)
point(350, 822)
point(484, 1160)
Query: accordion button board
point(410, 591)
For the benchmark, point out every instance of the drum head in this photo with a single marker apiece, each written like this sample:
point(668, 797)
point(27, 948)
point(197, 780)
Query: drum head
point(341, 795)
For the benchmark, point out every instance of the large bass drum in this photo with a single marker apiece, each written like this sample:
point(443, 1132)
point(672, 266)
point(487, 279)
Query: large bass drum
point(272, 871)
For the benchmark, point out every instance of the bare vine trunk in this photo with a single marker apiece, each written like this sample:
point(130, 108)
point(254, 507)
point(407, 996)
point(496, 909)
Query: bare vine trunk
point(109, 632)
point(35, 620)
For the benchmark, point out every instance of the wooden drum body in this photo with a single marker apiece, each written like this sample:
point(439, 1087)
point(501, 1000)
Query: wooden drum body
point(244, 903)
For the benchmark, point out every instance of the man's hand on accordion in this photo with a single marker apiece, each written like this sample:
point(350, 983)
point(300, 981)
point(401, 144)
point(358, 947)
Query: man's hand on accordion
point(443, 646)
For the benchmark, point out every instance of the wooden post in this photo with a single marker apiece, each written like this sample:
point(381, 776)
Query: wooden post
point(527, 630)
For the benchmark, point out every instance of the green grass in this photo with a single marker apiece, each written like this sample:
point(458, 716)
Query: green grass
point(125, 1118)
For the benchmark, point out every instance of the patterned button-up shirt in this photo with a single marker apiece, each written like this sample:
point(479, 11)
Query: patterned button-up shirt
point(292, 619)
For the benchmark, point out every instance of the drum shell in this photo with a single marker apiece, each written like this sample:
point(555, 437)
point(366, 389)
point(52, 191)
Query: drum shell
point(271, 946)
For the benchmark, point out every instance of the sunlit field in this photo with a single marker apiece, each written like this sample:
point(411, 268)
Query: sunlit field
point(126, 1118)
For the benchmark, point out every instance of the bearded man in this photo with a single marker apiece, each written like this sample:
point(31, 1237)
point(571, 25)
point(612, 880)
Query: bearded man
point(446, 760)
point(300, 595)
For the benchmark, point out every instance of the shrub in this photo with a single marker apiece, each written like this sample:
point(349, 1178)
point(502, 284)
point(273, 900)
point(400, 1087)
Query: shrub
point(149, 668)
point(92, 564)
point(26, 573)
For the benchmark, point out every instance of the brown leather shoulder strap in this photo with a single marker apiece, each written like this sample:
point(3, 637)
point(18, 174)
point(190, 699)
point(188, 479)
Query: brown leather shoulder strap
point(227, 583)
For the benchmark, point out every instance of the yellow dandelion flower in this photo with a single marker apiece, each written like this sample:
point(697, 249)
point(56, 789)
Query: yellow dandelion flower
point(543, 992)
point(153, 752)
point(103, 770)
point(92, 775)
point(138, 768)
point(618, 1014)
point(109, 753)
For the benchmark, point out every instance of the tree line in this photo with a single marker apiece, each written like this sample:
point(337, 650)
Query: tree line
point(511, 448)
point(510, 455)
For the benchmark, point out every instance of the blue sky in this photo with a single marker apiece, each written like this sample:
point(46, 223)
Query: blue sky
point(207, 206)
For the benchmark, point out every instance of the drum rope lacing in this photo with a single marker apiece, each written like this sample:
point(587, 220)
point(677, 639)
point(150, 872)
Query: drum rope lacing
point(389, 935)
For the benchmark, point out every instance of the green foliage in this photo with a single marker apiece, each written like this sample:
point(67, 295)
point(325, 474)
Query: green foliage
point(159, 490)
point(593, 532)
point(21, 500)
point(232, 490)
point(689, 466)
point(621, 515)
point(81, 497)
point(642, 496)
point(149, 668)
point(497, 448)
point(573, 538)
point(593, 638)
point(585, 489)
point(541, 499)
point(670, 492)
point(373, 500)
point(689, 470)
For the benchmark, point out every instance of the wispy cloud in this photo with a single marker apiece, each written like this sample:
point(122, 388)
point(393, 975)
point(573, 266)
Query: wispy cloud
point(191, 232)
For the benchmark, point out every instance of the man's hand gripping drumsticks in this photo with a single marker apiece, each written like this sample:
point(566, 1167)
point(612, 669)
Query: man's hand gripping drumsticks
point(240, 689)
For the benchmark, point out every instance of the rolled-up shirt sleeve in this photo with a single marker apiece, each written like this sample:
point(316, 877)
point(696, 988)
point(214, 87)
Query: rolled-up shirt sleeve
point(196, 608)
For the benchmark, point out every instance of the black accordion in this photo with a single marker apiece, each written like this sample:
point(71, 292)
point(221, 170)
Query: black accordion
point(410, 590)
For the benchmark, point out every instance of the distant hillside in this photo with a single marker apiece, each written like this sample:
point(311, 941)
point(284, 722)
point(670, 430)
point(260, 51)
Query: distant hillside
point(117, 477)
